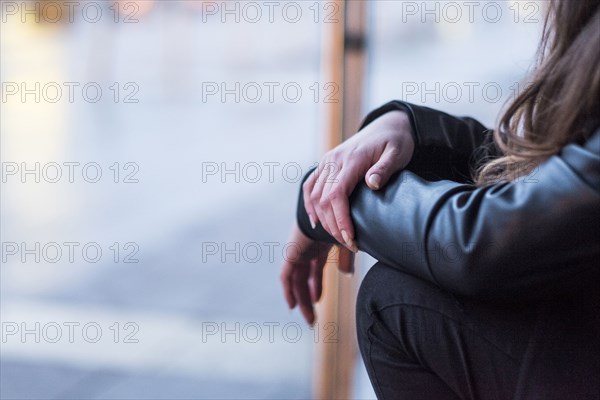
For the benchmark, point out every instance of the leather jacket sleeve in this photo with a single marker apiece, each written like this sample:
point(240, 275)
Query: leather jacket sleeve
point(446, 147)
point(506, 241)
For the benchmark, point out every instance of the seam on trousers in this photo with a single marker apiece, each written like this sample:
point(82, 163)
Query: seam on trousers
point(376, 381)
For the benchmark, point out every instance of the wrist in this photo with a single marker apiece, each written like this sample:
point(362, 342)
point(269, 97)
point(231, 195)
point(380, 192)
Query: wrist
point(405, 122)
point(399, 131)
point(398, 121)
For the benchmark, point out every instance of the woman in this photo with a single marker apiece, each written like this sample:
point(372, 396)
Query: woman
point(486, 288)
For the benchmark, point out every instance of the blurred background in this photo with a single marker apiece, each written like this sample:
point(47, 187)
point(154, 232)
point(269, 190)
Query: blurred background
point(151, 157)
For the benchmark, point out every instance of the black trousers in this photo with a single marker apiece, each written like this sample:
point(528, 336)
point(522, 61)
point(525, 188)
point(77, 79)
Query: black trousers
point(419, 342)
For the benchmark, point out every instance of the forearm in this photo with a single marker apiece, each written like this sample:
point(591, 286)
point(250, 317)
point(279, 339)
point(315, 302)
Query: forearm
point(505, 241)
point(440, 144)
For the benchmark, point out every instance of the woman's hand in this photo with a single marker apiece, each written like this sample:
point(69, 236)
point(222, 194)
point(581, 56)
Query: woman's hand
point(382, 148)
point(302, 274)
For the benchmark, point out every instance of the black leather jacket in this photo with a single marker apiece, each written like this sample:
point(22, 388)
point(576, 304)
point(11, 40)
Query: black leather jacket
point(526, 239)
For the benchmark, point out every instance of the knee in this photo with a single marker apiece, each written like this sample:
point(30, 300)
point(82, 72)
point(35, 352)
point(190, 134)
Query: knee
point(366, 298)
point(385, 286)
point(368, 288)
point(366, 306)
point(380, 286)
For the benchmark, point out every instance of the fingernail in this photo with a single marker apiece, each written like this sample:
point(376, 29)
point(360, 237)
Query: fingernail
point(349, 242)
point(375, 180)
point(312, 222)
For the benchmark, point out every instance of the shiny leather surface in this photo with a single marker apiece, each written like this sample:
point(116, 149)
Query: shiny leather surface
point(527, 239)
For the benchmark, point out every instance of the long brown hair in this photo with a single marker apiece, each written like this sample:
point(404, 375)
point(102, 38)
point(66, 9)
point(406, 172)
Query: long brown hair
point(561, 104)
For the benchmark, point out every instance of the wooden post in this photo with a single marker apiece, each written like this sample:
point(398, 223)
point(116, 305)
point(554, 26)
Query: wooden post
point(344, 60)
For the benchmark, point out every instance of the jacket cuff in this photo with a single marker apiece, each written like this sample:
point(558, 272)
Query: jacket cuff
point(394, 105)
point(318, 233)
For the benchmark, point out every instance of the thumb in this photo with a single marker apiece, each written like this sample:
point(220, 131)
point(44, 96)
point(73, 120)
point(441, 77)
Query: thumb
point(389, 163)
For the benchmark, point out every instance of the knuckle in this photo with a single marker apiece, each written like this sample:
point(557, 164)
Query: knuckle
point(353, 153)
point(315, 197)
point(324, 202)
point(333, 154)
point(382, 165)
point(332, 165)
point(394, 151)
point(336, 193)
point(306, 186)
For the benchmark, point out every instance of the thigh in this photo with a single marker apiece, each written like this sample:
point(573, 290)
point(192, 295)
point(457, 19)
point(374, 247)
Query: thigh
point(419, 342)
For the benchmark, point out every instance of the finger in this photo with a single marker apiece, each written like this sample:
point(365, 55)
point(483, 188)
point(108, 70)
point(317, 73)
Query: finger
point(338, 195)
point(286, 282)
point(327, 173)
point(346, 261)
point(334, 191)
point(388, 164)
point(307, 188)
point(302, 295)
point(340, 206)
point(316, 279)
point(328, 217)
point(335, 204)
